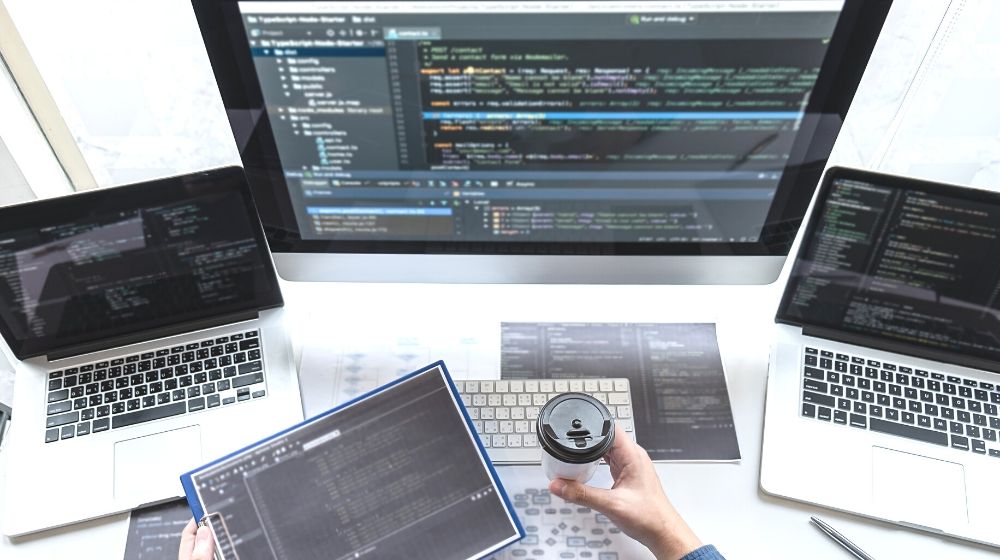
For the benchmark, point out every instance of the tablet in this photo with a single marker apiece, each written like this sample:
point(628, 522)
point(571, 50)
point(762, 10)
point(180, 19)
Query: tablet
point(396, 473)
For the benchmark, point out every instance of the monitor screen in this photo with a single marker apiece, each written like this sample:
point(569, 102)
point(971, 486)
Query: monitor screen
point(95, 266)
point(900, 261)
point(599, 127)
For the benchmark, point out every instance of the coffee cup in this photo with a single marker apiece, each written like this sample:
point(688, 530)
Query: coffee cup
point(575, 431)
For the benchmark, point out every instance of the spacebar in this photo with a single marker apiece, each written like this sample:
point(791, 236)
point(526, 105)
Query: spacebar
point(930, 436)
point(149, 414)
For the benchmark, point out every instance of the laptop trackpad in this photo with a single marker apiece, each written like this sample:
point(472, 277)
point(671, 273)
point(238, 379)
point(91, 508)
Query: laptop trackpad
point(148, 468)
point(918, 489)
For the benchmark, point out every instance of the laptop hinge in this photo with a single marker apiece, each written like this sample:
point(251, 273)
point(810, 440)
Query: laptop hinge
point(918, 351)
point(143, 336)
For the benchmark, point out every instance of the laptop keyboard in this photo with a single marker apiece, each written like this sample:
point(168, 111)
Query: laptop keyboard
point(166, 382)
point(505, 412)
point(893, 398)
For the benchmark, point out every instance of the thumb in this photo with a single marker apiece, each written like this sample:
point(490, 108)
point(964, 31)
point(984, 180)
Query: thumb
point(204, 545)
point(581, 494)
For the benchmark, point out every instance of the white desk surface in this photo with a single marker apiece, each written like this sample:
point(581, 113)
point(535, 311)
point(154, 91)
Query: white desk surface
point(722, 502)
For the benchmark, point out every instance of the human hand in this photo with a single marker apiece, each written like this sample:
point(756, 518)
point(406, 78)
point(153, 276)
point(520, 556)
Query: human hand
point(197, 543)
point(636, 502)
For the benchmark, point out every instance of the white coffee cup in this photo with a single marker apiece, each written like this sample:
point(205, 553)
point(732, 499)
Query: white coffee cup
point(575, 431)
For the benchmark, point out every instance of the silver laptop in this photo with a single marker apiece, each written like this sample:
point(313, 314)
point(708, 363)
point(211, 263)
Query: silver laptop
point(882, 391)
point(146, 323)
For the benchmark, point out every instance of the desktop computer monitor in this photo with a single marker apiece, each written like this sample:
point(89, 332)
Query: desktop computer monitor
point(536, 141)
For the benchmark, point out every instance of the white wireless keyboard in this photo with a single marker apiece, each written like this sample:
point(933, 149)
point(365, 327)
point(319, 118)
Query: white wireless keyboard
point(505, 412)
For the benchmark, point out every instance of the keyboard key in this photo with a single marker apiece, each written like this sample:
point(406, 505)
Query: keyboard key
point(100, 425)
point(197, 404)
point(809, 410)
point(811, 373)
point(61, 395)
point(972, 431)
point(840, 417)
point(244, 380)
point(67, 432)
point(149, 414)
point(250, 344)
point(214, 401)
point(959, 442)
point(989, 434)
point(940, 425)
point(257, 394)
point(51, 435)
point(62, 419)
point(911, 432)
point(824, 413)
point(60, 407)
point(979, 446)
point(858, 421)
point(250, 367)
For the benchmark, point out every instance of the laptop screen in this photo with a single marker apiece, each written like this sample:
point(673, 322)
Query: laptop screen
point(92, 267)
point(901, 261)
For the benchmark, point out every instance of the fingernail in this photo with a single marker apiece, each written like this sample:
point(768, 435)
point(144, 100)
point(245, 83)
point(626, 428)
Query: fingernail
point(202, 536)
point(557, 487)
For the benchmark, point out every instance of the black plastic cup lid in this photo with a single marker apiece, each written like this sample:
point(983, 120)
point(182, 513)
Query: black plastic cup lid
point(575, 428)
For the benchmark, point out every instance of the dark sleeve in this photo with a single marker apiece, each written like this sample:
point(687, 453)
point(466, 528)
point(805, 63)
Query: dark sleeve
point(707, 552)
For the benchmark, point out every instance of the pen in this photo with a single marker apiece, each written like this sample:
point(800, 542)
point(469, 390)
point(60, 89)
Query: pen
point(840, 539)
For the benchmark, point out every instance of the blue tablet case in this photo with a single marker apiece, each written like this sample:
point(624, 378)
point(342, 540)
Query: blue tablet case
point(197, 508)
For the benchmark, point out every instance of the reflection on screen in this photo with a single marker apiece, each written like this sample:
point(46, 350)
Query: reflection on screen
point(114, 271)
point(905, 265)
point(521, 122)
point(394, 476)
